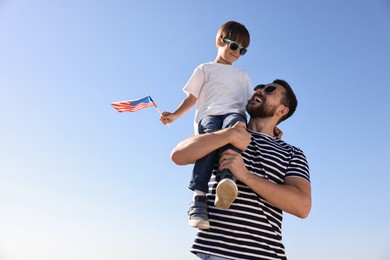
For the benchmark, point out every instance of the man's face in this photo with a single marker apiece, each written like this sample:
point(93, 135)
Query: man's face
point(265, 101)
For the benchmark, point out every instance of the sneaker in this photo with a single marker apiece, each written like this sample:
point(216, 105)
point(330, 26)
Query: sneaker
point(226, 193)
point(198, 214)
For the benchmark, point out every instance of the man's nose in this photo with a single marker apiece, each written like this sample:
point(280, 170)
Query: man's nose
point(259, 91)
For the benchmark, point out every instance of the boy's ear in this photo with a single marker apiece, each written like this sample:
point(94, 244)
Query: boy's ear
point(220, 42)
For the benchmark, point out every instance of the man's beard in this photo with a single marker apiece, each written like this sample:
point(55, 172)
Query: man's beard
point(260, 111)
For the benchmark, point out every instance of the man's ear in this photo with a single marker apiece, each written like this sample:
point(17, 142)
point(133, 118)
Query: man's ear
point(283, 110)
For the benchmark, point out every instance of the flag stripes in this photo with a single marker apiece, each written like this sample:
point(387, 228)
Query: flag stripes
point(133, 105)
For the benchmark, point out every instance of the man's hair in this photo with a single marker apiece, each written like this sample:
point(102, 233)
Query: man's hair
point(288, 97)
point(234, 31)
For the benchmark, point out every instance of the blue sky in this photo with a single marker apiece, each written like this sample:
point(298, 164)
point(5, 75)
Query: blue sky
point(79, 180)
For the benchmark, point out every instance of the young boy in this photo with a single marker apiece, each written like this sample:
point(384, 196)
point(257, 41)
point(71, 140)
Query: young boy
point(222, 92)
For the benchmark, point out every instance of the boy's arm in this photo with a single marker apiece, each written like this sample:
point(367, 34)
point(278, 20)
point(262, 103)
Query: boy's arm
point(184, 107)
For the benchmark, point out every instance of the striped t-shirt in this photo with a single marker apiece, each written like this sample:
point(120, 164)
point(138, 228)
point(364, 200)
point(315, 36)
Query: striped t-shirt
point(252, 228)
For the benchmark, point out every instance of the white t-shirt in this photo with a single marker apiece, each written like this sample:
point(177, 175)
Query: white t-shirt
point(220, 89)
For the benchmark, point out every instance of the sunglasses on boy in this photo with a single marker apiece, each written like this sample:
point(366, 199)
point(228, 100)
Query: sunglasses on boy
point(269, 90)
point(235, 46)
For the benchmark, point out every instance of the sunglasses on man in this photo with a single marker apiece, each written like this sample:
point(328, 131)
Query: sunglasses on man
point(268, 90)
point(235, 46)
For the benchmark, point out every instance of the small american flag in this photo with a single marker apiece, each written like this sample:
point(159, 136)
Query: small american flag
point(133, 105)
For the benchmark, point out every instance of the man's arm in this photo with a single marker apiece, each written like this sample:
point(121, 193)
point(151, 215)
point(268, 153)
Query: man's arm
point(196, 147)
point(294, 196)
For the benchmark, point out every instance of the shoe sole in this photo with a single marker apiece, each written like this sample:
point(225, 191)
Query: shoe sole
point(226, 193)
point(199, 224)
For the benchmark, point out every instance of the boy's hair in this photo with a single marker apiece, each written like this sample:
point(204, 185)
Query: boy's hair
point(235, 32)
point(288, 97)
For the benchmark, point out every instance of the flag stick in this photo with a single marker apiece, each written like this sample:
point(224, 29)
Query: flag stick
point(158, 110)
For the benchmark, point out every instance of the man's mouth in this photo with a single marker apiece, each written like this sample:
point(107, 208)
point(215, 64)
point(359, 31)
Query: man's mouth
point(257, 99)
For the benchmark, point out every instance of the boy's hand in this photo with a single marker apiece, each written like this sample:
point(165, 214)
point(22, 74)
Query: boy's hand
point(167, 117)
point(278, 133)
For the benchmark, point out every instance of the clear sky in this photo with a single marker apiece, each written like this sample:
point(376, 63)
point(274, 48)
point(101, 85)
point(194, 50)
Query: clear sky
point(80, 181)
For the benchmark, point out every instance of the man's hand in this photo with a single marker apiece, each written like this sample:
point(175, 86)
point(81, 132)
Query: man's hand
point(233, 161)
point(239, 136)
point(230, 159)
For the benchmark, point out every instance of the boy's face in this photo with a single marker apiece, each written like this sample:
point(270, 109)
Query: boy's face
point(234, 46)
point(225, 53)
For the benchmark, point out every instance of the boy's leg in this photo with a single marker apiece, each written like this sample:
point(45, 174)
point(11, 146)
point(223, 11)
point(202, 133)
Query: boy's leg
point(201, 174)
point(227, 190)
point(203, 167)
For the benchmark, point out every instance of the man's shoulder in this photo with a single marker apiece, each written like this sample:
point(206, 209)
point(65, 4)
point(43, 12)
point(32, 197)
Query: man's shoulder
point(289, 146)
point(277, 143)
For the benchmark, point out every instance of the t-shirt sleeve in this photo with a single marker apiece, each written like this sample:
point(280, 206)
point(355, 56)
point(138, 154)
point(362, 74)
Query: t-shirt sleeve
point(298, 166)
point(195, 83)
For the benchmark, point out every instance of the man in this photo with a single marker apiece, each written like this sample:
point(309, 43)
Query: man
point(272, 177)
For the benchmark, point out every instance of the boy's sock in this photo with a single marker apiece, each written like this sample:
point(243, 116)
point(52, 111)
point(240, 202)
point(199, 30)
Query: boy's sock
point(198, 193)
